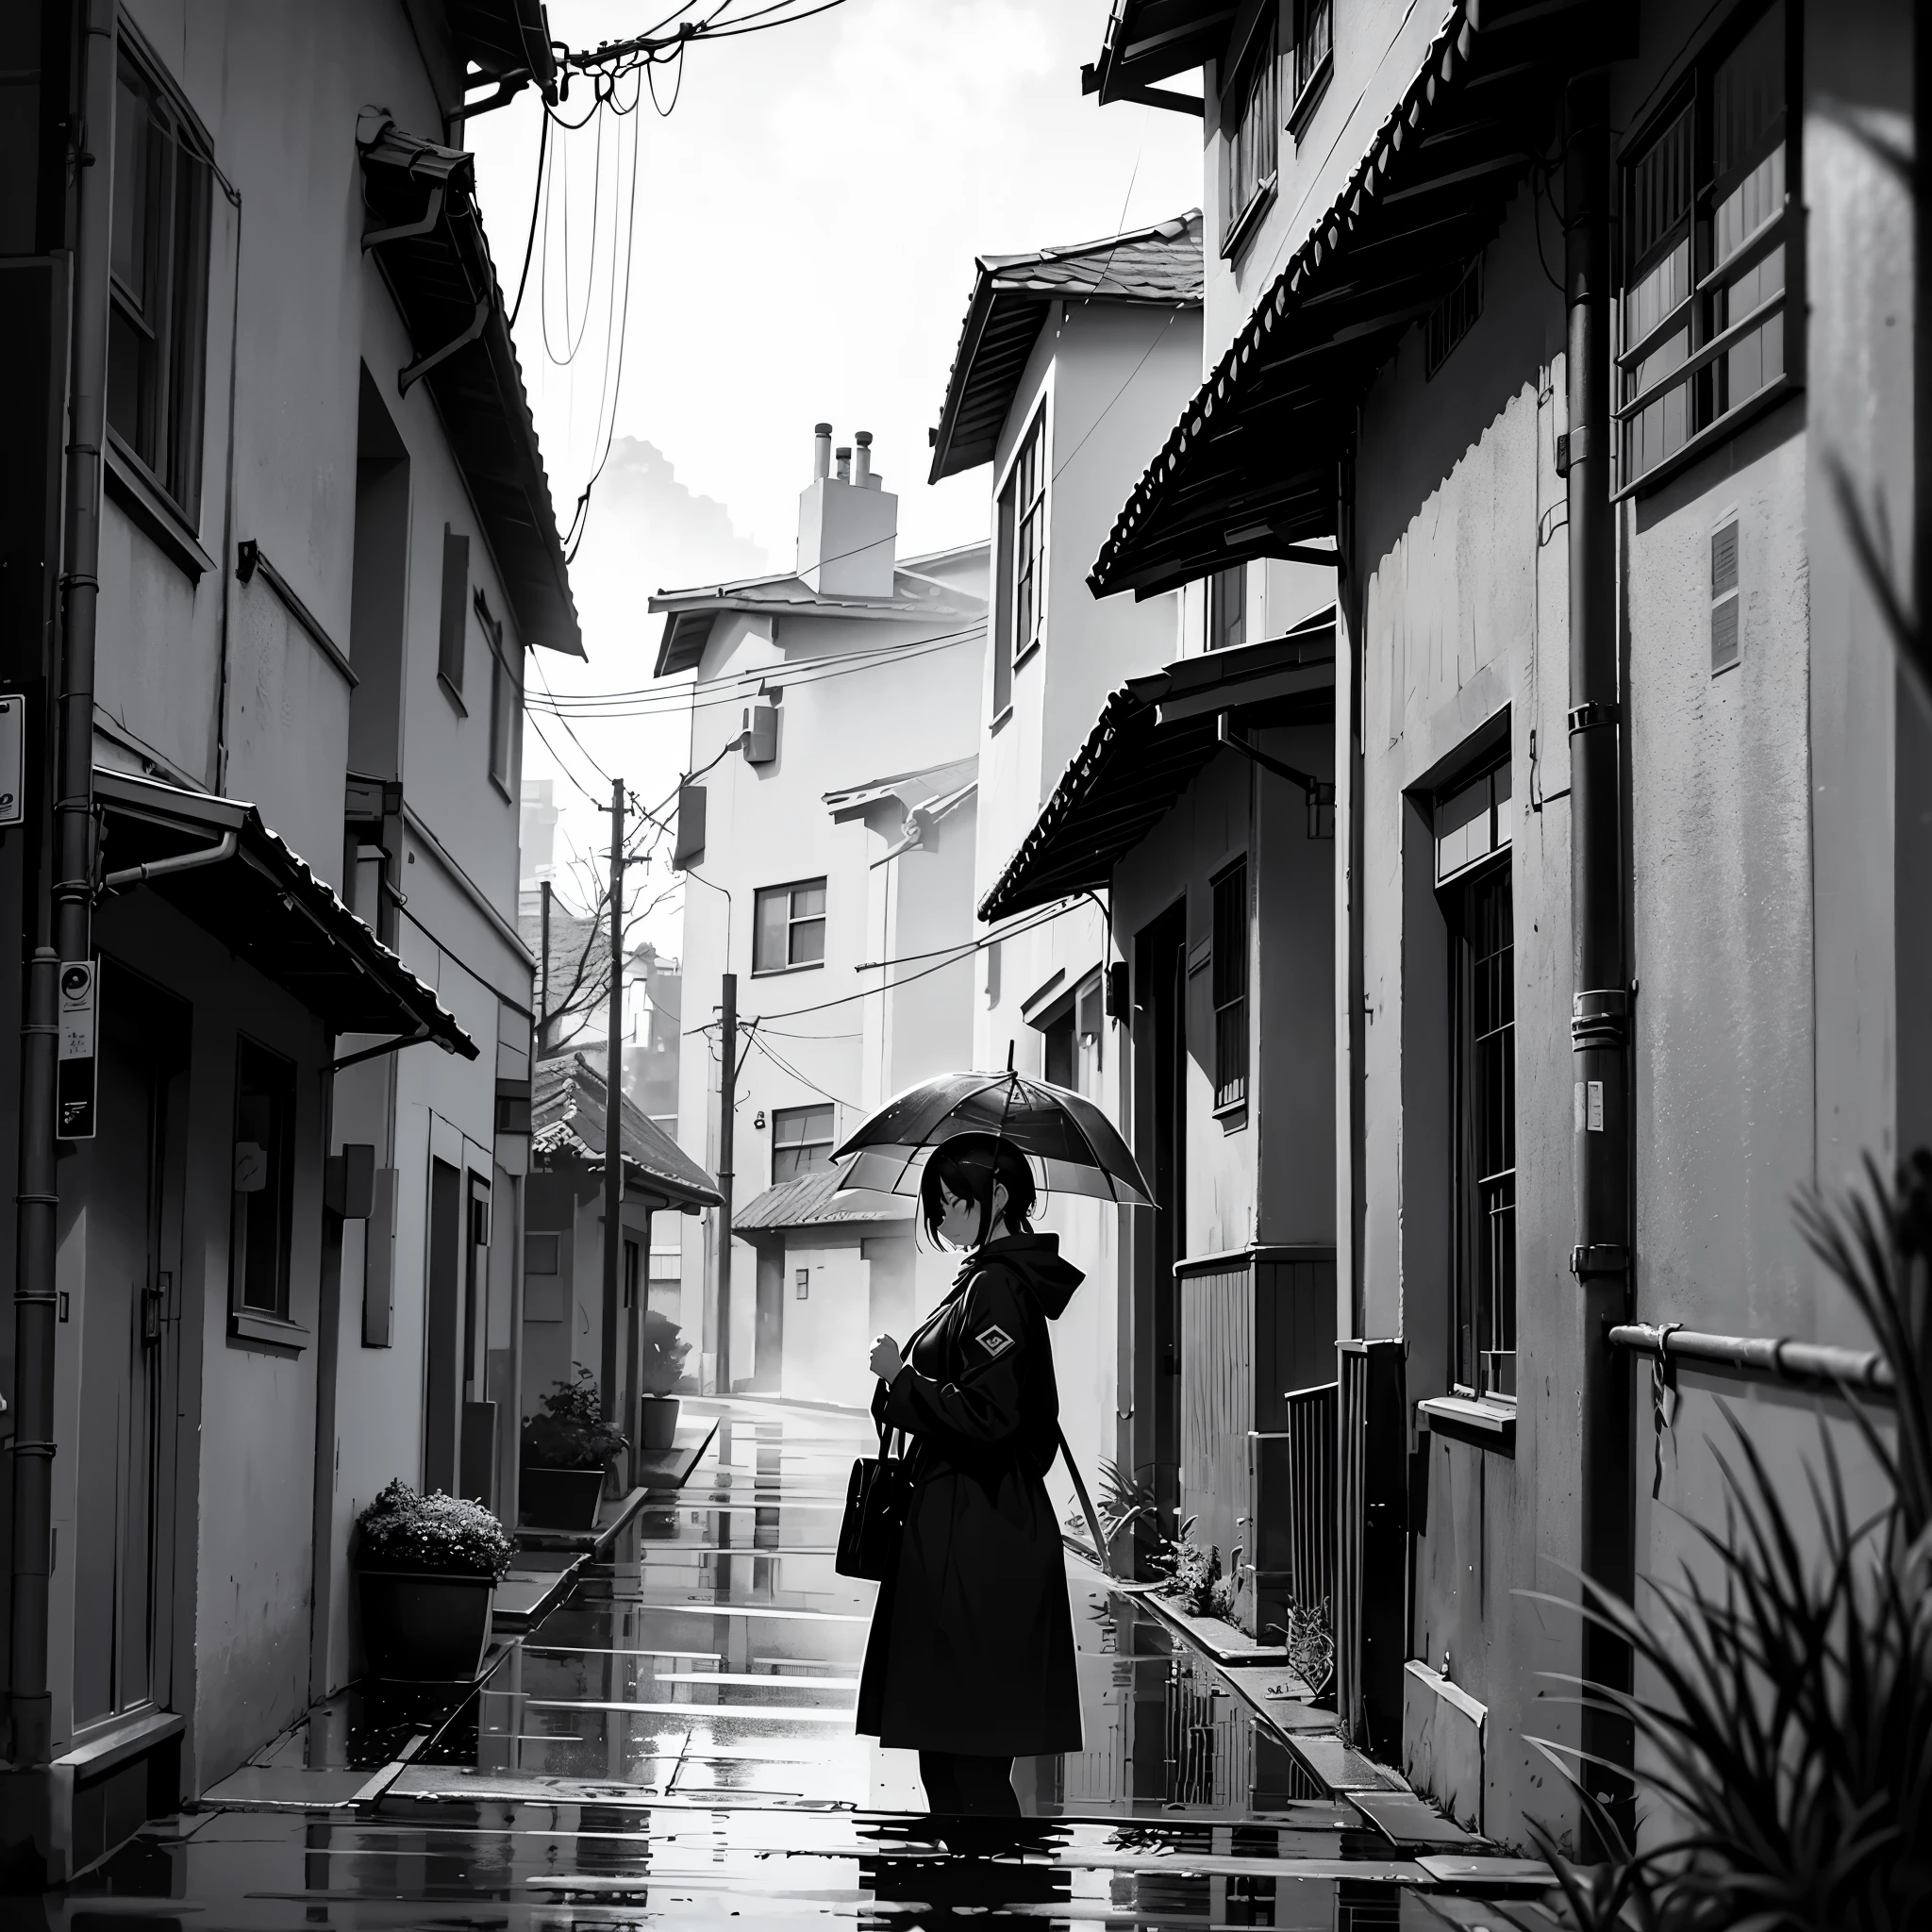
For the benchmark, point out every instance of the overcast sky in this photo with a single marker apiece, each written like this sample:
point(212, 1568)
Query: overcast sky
point(804, 224)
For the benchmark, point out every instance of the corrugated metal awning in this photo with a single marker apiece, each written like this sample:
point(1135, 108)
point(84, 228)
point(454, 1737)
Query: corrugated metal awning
point(1152, 736)
point(267, 907)
point(1253, 463)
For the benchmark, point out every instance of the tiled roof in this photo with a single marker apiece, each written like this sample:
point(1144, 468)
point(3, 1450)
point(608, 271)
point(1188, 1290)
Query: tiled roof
point(1250, 465)
point(689, 614)
point(812, 1200)
point(1158, 267)
point(568, 1099)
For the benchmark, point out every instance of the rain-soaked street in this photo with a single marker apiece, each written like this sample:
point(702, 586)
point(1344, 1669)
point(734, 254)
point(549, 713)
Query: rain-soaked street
point(673, 1742)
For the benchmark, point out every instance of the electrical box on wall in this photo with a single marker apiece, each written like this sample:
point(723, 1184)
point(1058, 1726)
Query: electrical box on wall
point(761, 732)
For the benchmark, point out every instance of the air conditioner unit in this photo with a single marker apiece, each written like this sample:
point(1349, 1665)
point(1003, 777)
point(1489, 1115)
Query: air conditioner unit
point(761, 732)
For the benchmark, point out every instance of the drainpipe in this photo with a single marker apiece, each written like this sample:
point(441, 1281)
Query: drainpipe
point(1600, 1010)
point(62, 928)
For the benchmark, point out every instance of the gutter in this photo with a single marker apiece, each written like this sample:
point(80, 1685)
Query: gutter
point(62, 920)
point(1600, 1006)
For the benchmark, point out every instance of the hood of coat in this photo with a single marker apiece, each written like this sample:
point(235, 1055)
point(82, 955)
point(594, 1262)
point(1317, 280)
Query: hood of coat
point(1035, 1259)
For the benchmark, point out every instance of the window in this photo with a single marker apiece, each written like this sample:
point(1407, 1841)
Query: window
point(801, 1142)
point(1314, 37)
point(1026, 488)
point(1057, 1049)
point(789, 928)
point(1230, 986)
point(801, 1283)
point(158, 317)
point(1251, 140)
point(1453, 318)
point(633, 1264)
point(1482, 1071)
point(1003, 607)
point(1088, 1031)
point(1472, 821)
point(1726, 645)
point(504, 696)
point(1706, 232)
point(1227, 607)
point(454, 635)
point(264, 1180)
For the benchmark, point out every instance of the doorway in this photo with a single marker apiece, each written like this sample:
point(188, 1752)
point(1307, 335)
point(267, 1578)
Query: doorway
point(1160, 967)
point(121, 1203)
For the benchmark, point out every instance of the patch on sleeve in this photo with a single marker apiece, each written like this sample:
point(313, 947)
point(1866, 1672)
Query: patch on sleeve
point(994, 1340)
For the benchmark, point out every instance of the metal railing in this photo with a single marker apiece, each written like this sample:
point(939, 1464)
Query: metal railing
point(1314, 1434)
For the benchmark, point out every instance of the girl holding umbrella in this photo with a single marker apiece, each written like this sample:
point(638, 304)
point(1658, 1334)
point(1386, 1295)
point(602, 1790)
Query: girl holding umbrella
point(970, 1657)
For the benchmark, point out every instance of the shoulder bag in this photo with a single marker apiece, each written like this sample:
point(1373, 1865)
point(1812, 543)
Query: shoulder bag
point(877, 1500)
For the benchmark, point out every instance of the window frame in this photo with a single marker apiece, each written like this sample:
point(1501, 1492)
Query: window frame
point(808, 1148)
point(1700, 317)
point(1256, 83)
point(1228, 975)
point(1023, 585)
point(169, 320)
point(506, 700)
point(1311, 58)
point(279, 1154)
point(1483, 1308)
point(1227, 607)
point(452, 629)
point(793, 920)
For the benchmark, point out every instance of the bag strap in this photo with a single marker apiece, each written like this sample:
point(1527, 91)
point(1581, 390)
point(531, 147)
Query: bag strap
point(1086, 1503)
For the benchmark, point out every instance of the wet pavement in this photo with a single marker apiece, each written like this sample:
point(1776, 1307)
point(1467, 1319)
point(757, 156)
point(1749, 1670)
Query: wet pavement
point(673, 1743)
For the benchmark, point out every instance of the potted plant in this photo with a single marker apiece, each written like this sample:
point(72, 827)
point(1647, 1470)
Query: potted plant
point(567, 1450)
point(426, 1573)
point(665, 1349)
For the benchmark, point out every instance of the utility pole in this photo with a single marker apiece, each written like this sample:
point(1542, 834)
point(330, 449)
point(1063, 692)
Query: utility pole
point(613, 1113)
point(728, 1104)
point(543, 976)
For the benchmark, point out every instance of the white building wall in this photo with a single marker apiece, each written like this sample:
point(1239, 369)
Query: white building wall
point(768, 825)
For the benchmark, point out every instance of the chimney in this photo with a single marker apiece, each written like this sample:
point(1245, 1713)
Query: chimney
point(848, 525)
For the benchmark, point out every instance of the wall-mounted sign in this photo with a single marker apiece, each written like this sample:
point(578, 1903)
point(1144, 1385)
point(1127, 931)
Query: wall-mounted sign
point(74, 1090)
point(12, 758)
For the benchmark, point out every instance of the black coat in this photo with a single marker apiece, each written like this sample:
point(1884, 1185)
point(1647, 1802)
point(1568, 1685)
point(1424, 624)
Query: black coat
point(972, 1645)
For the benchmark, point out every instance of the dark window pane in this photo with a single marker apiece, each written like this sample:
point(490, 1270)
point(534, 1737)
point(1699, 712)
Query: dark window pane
point(129, 354)
point(809, 902)
point(133, 147)
point(808, 942)
point(771, 925)
point(264, 1183)
point(1747, 96)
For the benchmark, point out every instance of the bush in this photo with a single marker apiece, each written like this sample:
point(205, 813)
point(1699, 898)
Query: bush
point(572, 1433)
point(440, 1535)
point(1788, 1751)
point(1193, 1576)
point(664, 1352)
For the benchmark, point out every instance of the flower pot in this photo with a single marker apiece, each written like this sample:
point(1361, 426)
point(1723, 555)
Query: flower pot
point(424, 1628)
point(657, 1421)
point(561, 1498)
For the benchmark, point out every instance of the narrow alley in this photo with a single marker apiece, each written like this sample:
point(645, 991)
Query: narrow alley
point(673, 1744)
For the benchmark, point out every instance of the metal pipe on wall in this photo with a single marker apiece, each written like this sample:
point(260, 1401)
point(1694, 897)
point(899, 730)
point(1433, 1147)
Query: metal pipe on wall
point(61, 922)
point(1599, 1010)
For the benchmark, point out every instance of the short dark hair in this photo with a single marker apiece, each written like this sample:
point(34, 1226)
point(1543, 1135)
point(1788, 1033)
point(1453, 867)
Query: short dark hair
point(969, 1167)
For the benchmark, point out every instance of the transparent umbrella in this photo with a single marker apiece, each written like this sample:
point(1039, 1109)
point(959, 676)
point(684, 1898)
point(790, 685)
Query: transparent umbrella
point(1073, 1147)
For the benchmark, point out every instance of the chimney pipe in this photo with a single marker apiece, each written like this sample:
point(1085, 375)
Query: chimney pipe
point(821, 451)
point(861, 462)
point(844, 463)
